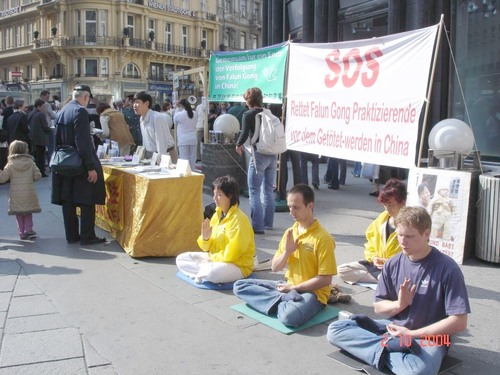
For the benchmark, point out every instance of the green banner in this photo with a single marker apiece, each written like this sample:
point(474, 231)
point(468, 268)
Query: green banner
point(231, 73)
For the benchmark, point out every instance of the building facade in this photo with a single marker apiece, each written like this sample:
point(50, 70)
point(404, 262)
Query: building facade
point(467, 80)
point(117, 47)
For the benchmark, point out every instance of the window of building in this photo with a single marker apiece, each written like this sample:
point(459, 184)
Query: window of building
point(228, 6)
point(167, 71)
point(78, 67)
point(362, 21)
point(90, 31)
point(5, 38)
point(243, 37)
point(156, 72)
point(204, 42)
point(151, 26)
point(254, 41)
point(168, 36)
point(28, 72)
point(130, 25)
point(57, 71)
point(86, 67)
point(227, 37)
point(28, 37)
point(203, 6)
point(131, 71)
point(184, 39)
point(476, 41)
point(104, 66)
point(103, 16)
point(90, 67)
point(17, 36)
point(185, 4)
point(78, 23)
point(256, 12)
point(243, 8)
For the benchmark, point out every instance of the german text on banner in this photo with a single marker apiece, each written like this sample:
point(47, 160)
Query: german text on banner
point(231, 73)
point(359, 100)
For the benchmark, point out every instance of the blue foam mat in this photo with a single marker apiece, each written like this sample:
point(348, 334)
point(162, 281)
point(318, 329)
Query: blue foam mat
point(328, 313)
point(207, 284)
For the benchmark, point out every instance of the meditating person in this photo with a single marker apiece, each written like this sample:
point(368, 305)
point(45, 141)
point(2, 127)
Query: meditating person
point(423, 293)
point(381, 239)
point(227, 240)
point(307, 251)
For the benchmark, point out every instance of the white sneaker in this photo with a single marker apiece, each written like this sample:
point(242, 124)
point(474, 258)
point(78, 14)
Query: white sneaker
point(344, 315)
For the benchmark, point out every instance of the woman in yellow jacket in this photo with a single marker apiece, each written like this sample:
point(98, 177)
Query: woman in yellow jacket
point(381, 238)
point(227, 240)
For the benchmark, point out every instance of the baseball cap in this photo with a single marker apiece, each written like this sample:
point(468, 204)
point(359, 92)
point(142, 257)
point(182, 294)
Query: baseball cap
point(83, 88)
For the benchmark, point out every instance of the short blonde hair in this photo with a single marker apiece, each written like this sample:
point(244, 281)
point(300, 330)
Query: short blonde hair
point(414, 217)
point(18, 147)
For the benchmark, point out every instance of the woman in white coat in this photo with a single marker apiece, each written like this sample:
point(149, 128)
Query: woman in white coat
point(186, 121)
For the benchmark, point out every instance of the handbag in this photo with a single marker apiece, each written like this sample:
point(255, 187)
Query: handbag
point(67, 162)
point(370, 171)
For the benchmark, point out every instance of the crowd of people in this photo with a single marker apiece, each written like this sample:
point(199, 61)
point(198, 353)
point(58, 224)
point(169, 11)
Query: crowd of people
point(409, 274)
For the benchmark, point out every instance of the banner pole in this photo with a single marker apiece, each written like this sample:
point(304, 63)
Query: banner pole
point(280, 206)
point(429, 90)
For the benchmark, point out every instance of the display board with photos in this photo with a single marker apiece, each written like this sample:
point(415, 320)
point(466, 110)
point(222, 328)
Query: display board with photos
point(445, 194)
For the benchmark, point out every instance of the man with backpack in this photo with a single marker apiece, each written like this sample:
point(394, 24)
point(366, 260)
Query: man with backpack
point(262, 168)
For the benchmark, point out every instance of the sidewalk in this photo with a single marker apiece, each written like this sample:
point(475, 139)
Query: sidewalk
point(68, 309)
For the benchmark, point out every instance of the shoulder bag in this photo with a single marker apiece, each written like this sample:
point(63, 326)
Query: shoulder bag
point(67, 162)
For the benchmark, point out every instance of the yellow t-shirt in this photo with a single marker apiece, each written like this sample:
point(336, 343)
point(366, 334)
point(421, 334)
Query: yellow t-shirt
point(232, 240)
point(314, 256)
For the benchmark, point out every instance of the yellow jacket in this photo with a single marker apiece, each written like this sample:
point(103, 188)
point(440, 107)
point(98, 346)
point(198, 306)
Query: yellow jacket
point(232, 240)
point(377, 245)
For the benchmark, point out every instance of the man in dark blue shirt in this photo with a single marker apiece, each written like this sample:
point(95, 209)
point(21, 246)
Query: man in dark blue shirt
point(423, 292)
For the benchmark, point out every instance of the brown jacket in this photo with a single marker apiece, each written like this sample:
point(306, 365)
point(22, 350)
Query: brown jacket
point(118, 127)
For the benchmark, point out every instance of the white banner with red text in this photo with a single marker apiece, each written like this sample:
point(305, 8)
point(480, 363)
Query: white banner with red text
point(359, 100)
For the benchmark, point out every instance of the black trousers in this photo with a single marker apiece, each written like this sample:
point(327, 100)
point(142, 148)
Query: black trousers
point(39, 155)
point(87, 221)
point(294, 157)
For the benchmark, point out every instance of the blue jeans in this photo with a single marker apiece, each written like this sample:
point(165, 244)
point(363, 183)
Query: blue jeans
point(357, 169)
point(263, 296)
point(367, 346)
point(262, 173)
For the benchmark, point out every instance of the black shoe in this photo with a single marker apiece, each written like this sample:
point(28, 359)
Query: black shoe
point(73, 240)
point(259, 232)
point(333, 187)
point(93, 241)
point(45, 175)
point(373, 194)
point(316, 186)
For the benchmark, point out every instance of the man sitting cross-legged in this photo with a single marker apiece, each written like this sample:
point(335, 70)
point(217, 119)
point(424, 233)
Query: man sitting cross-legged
point(307, 250)
point(424, 294)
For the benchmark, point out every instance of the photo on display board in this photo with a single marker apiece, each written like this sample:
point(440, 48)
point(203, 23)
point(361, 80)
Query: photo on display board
point(445, 195)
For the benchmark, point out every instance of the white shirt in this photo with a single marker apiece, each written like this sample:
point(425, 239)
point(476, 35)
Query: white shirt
point(186, 128)
point(155, 129)
point(200, 111)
